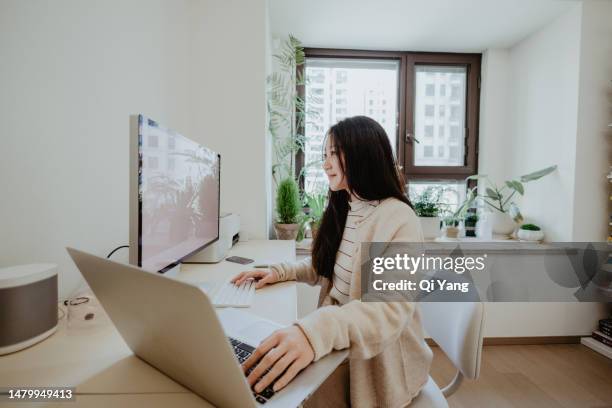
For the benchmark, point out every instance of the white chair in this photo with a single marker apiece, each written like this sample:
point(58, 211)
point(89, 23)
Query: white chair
point(458, 329)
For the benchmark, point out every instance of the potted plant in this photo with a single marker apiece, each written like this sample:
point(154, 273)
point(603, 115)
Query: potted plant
point(288, 208)
point(470, 225)
point(530, 232)
point(499, 198)
point(451, 226)
point(316, 206)
point(427, 207)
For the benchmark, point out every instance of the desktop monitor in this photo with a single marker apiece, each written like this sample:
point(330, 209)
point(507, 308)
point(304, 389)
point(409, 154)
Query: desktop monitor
point(174, 196)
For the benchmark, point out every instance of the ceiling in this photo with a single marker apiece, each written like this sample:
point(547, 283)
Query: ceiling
point(413, 25)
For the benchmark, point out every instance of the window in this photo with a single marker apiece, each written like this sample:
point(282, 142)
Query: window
point(455, 113)
point(460, 72)
point(454, 133)
point(317, 77)
point(153, 141)
point(455, 92)
point(426, 94)
point(421, 164)
point(429, 110)
point(153, 163)
point(430, 90)
point(171, 143)
point(171, 164)
point(365, 85)
point(429, 130)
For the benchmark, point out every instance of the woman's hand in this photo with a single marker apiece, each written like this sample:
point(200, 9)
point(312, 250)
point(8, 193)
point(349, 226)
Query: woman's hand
point(284, 351)
point(261, 276)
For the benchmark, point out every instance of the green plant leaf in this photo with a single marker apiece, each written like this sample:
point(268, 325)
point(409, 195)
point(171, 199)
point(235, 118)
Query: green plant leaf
point(492, 194)
point(516, 185)
point(538, 174)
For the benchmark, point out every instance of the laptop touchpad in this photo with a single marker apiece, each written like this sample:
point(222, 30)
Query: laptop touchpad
point(245, 326)
point(256, 332)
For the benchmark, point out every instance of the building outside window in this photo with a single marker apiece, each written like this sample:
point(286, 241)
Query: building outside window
point(367, 81)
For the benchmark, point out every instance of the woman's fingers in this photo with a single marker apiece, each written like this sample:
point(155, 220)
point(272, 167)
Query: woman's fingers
point(238, 277)
point(260, 351)
point(269, 278)
point(243, 276)
point(276, 370)
point(284, 353)
point(265, 363)
point(293, 370)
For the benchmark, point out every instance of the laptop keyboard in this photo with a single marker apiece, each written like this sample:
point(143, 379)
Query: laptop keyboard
point(242, 352)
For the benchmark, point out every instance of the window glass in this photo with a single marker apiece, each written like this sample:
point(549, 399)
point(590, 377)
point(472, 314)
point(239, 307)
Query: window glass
point(425, 120)
point(367, 87)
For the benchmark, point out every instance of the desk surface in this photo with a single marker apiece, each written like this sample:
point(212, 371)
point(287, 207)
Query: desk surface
point(96, 360)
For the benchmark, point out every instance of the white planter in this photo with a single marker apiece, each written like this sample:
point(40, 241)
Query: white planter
point(527, 235)
point(502, 223)
point(430, 227)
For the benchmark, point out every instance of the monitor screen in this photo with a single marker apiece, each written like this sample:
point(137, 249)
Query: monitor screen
point(174, 200)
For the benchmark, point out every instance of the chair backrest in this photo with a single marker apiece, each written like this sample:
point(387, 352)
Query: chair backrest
point(458, 329)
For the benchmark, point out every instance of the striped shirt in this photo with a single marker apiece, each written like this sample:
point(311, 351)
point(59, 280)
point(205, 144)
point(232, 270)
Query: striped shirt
point(344, 257)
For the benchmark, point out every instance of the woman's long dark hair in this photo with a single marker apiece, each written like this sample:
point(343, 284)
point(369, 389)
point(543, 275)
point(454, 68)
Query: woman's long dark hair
point(371, 173)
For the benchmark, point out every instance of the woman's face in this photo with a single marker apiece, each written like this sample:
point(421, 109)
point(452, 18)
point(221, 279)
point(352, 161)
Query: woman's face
point(331, 166)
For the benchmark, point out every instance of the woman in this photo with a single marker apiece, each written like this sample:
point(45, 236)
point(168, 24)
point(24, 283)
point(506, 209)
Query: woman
point(388, 358)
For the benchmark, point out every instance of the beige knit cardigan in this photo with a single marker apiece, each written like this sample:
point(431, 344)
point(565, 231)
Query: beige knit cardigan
point(388, 357)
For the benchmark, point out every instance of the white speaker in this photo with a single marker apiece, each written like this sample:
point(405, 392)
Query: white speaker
point(28, 305)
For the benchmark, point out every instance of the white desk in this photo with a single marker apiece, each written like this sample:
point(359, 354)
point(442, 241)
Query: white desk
point(103, 369)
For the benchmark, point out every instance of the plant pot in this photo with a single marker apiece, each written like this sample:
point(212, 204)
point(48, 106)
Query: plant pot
point(528, 235)
point(286, 231)
point(451, 232)
point(502, 223)
point(430, 227)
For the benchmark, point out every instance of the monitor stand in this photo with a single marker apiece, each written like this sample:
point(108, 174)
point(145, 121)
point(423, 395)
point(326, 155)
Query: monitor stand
point(173, 272)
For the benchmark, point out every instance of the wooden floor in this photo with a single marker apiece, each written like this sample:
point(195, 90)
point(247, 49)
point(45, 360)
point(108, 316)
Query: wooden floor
point(561, 375)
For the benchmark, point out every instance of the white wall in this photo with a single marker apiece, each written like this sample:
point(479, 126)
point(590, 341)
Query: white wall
point(71, 73)
point(229, 103)
point(594, 114)
point(544, 105)
point(494, 137)
point(533, 121)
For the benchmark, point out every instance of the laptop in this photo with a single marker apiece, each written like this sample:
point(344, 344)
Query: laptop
point(173, 326)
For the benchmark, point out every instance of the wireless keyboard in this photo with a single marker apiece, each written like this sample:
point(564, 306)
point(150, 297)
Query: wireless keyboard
point(226, 294)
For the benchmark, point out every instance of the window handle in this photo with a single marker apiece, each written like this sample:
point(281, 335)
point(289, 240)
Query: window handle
point(410, 138)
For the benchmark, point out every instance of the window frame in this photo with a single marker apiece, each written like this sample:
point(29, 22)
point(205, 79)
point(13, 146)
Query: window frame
point(405, 108)
point(472, 63)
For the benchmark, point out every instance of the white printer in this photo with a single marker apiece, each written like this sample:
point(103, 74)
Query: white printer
point(229, 234)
